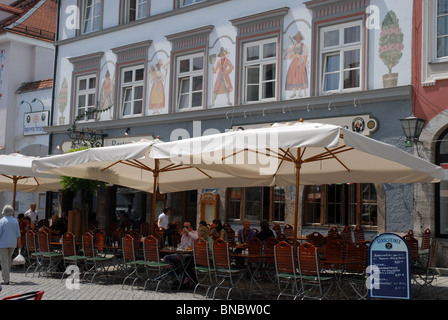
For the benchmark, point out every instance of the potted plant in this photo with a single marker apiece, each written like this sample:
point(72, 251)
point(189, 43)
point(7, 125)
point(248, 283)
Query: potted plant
point(390, 47)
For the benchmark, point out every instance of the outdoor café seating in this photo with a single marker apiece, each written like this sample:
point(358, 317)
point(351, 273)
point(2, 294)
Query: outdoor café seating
point(70, 255)
point(203, 265)
point(227, 276)
point(32, 251)
point(95, 264)
point(156, 270)
point(286, 270)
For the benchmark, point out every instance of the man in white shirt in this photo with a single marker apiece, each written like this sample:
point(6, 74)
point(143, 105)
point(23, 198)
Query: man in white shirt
point(32, 213)
point(163, 218)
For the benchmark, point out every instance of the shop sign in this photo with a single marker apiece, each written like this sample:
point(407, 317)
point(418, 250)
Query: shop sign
point(389, 268)
point(34, 122)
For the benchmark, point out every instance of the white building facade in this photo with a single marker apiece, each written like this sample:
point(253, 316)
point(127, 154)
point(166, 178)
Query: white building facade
point(181, 68)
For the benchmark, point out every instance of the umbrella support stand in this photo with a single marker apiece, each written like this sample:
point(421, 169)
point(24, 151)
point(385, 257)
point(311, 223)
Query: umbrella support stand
point(298, 162)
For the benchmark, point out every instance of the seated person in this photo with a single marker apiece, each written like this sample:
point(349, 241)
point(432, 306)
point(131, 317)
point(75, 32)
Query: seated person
point(246, 234)
point(57, 228)
point(265, 232)
point(180, 261)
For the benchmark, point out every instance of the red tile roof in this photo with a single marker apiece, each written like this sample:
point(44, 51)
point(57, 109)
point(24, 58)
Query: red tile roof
point(40, 23)
point(35, 85)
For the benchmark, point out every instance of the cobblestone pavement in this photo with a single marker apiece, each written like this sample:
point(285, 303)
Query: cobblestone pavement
point(55, 289)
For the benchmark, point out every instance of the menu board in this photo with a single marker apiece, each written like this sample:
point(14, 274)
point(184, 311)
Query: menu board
point(389, 267)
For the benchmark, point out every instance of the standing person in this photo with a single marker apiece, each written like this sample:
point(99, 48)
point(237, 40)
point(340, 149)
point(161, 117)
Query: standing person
point(9, 240)
point(163, 218)
point(32, 213)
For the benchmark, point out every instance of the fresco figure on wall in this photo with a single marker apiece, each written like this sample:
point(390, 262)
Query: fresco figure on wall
point(223, 68)
point(297, 78)
point(157, 95)
point(106, 95)
point(62, 101)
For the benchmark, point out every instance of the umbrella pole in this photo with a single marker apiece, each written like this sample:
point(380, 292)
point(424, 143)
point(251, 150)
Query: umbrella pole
point(154, 194)
point(298, 163)
point(14, 195)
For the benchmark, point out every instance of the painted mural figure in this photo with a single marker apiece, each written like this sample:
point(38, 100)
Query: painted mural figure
point(297, 78)
point(222, 84)
point(157, 95)
point(107, 95)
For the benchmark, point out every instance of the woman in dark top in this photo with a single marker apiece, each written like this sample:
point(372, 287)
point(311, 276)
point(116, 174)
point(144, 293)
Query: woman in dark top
point(265, 232)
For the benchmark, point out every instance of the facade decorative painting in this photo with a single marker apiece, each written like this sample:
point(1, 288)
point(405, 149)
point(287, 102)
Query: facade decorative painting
point(158, 74)
point(390, 47)
point(107, 95)
point(297, 75)
point(222, 68)
point(63, 101)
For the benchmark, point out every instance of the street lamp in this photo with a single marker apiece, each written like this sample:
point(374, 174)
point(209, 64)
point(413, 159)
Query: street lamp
point(35, 99)
point(412, 127)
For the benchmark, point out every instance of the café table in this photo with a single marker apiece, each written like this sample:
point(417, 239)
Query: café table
point(185, 263)
point(254, 263)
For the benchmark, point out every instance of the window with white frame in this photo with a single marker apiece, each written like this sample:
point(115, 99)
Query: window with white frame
point(442, 29)
point(92, 15)
point(340, 54)
point(86, 96)
point(190, 81)
point(184, 3)
point(136, 9)
point(260, 70)
point(132, 84)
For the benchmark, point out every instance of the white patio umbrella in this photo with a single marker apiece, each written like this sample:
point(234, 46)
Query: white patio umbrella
point(16, 175)
point(300, 153)
point(130, 166)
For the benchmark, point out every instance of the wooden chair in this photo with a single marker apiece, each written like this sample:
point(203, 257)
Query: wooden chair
point(224, 270)
point(285, 265)
point(158, 234)
point(311, 279)
point(100, 238)
point(254, 264)
point(333, 255)
point(32, 251)
point(269, 258)
point(426, 239)
point(156, 270)
point(48, 259)
point(413, 248)
point(358, 234)
point(94, 263)
point(132, 266)
point(346, 235)
point(144, 228)
point(288, 230)
point(316, 239)
point(69, 253)
point(203, 265)
point(277, 229)
point(425, 275)
point(355, 269)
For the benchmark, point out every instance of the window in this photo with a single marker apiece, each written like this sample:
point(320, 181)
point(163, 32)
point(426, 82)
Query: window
point(91, 18)
point(442, 29)
point(132, 82)
point(136, 10)
point(442, 188)
point(341, 204)
point(190, 81)
point(184, 3)
point(341, 54)
point(86, 96)
point(256, 203)
point(260, 70)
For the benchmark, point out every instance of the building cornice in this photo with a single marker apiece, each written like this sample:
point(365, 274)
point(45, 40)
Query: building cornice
point(296, 105)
